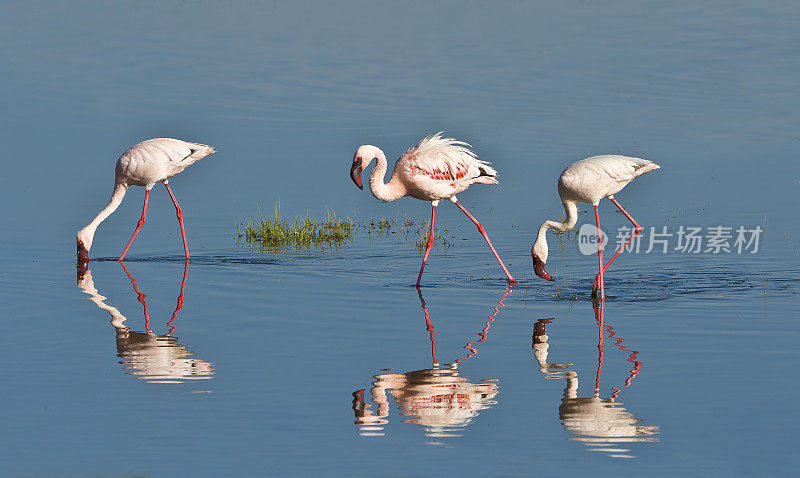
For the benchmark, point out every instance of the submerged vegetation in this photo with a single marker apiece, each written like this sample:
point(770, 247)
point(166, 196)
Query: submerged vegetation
point(439, 237)
point(276, 233)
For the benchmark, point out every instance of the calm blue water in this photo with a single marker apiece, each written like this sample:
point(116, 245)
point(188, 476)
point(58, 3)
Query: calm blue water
point(262, 363)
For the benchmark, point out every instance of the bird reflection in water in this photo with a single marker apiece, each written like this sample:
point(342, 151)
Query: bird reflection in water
point(438, 398)
point(600, 423)
point(146, 355)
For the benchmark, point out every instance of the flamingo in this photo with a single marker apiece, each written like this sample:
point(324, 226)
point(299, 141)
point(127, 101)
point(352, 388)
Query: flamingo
point(145, 164)
point(589, 181)
point(438, 398)
point(436, 168)
point(596, 421)
point(146, 355)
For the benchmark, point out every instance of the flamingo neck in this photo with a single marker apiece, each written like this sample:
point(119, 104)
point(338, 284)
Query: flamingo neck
point(571, 213)
point(390, 191)
point(87, 285)
point(571, 388)
point(116, 199)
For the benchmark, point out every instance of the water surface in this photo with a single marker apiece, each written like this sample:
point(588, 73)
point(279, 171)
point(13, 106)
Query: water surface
point(256, 363)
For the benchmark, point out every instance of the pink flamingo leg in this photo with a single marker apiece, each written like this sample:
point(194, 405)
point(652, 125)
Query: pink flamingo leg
point(598, 315)
point(483, 232)
point(429, 328)
point(600, 253)
point(179, 213)
point(637, 365)
point(630, 218)
point(141, 298)
point(138, 225)
point(484, 334)
point(428, 245)
point(179, 305)
point(637, 230)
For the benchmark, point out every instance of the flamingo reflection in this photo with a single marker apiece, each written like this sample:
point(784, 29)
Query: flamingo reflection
point(437, 398)
point(146, 355)
point(600, 423)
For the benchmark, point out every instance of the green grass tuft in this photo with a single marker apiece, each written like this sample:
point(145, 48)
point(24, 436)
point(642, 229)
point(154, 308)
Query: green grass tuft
point(276, 233)
point(439, 237)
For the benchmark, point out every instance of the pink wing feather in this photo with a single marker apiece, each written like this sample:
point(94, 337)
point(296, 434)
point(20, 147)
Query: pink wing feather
point(445, 159)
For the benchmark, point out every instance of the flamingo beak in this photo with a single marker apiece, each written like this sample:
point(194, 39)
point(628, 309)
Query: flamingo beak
point(83, 256)
point(538, 268)
point(355, 173)
point(358, 403)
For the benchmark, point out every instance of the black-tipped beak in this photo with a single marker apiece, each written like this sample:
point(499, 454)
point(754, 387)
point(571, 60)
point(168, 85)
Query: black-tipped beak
point(355, 174)
point(538, 268)
point(83, 256)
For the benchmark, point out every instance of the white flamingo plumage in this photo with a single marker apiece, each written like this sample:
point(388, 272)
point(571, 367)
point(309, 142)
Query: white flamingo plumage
point(145, 164)
point(436, 168)
point(589, 181)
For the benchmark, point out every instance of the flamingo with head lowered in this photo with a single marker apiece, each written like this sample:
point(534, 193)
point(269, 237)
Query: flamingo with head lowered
point(145, 164)
point(436, 168)
point(589, 181)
